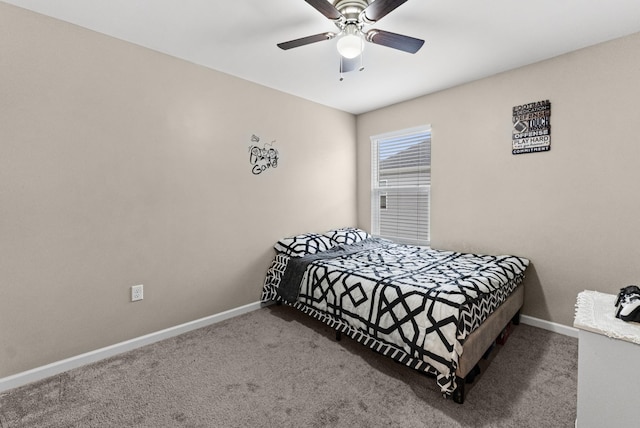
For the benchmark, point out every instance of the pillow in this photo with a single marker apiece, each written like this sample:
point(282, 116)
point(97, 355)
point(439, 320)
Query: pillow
point(301, 245)
point(347, 235)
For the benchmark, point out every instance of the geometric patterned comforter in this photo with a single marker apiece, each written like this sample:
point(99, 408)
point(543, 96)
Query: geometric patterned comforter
point(414, 304)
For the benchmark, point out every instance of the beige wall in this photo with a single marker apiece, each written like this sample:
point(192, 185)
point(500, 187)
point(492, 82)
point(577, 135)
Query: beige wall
point(123, 166)
point(574, 211)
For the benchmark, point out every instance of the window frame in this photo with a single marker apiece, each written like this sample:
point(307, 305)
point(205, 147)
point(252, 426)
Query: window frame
point(421, 187)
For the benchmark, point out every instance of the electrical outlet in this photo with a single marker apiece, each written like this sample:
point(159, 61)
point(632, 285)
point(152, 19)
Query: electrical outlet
point(136, 292)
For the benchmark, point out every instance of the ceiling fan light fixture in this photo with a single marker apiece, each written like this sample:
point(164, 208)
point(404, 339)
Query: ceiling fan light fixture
point(350, 16)
point(351, 44)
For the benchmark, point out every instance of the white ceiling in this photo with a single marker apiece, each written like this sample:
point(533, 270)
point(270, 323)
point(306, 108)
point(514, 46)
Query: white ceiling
point(465, 40)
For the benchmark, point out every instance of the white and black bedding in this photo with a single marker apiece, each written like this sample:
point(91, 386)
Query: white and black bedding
point(414, 304)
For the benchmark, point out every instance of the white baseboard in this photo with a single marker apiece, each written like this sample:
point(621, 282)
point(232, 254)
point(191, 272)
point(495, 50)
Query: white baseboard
point(548, 325)
point(57, 367)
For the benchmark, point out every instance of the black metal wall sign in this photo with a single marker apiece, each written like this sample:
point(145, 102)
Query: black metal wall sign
point(262, 158)
point(531, 128)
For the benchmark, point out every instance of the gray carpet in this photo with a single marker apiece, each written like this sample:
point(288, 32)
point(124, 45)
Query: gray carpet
point(276, 367)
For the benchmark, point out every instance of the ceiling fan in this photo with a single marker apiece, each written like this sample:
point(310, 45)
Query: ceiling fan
point(350, 16)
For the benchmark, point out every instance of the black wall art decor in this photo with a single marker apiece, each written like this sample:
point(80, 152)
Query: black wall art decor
point(262, 158)
point(531, 128)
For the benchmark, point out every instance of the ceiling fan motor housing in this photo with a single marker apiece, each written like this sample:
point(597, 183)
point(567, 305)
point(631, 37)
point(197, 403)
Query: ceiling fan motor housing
point(351, 10)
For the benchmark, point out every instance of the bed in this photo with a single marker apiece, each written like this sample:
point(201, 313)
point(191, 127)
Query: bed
point(433, 310)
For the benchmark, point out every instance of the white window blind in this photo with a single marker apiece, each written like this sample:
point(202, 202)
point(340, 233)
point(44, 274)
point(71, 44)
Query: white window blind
point(400, 185)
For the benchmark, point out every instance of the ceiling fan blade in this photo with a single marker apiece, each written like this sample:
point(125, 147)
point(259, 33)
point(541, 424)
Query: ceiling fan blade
point(380, 8)
point(306, 40)
point(393, 40)
point(325, 8)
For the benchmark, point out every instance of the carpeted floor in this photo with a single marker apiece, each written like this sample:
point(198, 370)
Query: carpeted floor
point(276, 367)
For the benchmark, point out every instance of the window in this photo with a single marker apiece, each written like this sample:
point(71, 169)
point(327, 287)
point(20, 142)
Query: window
point(401, 184)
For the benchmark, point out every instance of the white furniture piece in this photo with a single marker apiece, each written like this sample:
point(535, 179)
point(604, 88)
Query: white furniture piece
point(608, 364)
